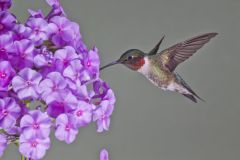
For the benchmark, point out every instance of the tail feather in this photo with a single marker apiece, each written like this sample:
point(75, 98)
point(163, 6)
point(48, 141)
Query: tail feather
point(191, 96)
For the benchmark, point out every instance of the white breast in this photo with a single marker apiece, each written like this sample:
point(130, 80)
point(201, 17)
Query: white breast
point(145, 68)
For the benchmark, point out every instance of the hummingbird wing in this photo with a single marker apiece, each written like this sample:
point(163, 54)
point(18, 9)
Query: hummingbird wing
point(179, 52)
point(155, 49)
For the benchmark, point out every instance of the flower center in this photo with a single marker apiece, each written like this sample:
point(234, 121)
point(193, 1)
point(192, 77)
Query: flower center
point(87, 100)
point(79, 113)
point(65, 62)
point(34, 144)
point(2, 50)
point(49, 63)
point(35, 126)
point(4, 112)
point(67, 127)
point(1, 26)
point(22, 55)
point(29, 83)
point(3, 75)
point(89, 64)
point(37, 30)
point(54, 88)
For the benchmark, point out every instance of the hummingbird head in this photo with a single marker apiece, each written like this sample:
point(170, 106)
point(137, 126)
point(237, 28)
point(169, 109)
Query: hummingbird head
point(133, 59)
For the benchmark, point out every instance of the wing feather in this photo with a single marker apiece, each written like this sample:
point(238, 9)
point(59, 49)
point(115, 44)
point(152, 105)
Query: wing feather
point(179, 52)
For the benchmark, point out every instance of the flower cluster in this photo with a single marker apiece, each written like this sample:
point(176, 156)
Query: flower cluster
point(49, 81)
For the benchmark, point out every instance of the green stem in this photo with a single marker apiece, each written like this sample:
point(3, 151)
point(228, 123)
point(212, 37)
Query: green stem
point(23, 158)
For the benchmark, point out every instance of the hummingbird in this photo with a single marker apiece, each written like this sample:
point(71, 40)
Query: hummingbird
point(159, 67)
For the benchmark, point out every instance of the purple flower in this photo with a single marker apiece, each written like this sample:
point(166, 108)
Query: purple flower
point(73, 71)
point(26, 83)
point(53, 2)
point(35, 123)
point(104, 155)
point(21, 32)
point(9, 112)
point(5, 4)
point(56, 8)
point(103, 94)
point(36, 14)
point(39, 29)
point(83, 93)
point(15, 130)
point(63, 31)
point(100, 88)
point(65, 102)
point(66, 129)
point(65, 56)
point(45, 61)
point(33, 147)
point(81, 47)
point(91, 63)
point(77, 37)
point(102, 116)
point(22, 54)
point(109, 97)
point(74, 74)
point(6, 75)
point(51, 86)
point(6, 43)
point(7, 21)
point(83, 113)
point(3, 144)
point(43, 58)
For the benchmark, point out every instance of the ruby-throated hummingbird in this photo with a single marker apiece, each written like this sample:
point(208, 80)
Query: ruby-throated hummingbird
point(159, 67)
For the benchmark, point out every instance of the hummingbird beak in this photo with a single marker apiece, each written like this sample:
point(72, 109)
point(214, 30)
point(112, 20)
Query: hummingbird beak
point(110, 64)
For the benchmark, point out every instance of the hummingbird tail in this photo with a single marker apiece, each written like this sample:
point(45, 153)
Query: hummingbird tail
point(193, 96)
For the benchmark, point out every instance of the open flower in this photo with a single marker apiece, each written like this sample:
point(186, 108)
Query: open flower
point(91, 63)
point(21, 32)
point(102, 116)
point(64, 102)
point(6, 43)
point(22, 54)
point(26, 83)
point(63, 32)
point(39, 29)
point(5, 4)
point(33, 147)
point(65, 56)
point(52, 86)
point(9, 112)
point(35, 123)
point(6, 75)
point(66, 128)
point(83, 113)
point(44, 61)
point(7, 21)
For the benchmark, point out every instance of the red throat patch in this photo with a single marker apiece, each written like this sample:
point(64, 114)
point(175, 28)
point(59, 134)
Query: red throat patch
point(138, 63)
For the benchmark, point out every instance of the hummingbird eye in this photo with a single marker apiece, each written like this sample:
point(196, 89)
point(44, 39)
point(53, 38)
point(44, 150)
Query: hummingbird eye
point(130, 57)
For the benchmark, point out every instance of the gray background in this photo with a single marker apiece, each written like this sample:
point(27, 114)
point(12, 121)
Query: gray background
point(148, 123)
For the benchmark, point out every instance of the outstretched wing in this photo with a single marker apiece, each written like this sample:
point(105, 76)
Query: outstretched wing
point(178, 53)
